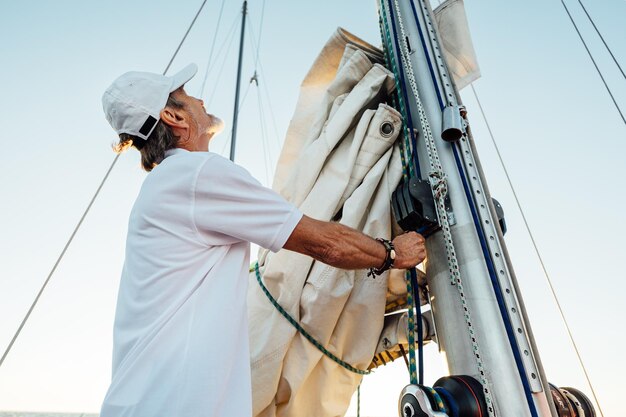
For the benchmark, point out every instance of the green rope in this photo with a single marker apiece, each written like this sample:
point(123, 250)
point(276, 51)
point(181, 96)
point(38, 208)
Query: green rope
point(407, 169)
point(441, 406)
point(303, 332)
point(411, 329)
point(398, 100)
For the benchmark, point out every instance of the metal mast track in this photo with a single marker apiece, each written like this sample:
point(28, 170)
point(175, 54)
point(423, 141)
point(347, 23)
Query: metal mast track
point(499, 350)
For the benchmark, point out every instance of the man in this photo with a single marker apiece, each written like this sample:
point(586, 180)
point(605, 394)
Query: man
point(181, 336)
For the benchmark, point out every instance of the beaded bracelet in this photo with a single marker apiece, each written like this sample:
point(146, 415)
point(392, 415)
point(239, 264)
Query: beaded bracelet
point(389, 258)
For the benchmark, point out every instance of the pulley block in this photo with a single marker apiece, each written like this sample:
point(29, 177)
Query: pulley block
point(420, 401)
point(414, 207)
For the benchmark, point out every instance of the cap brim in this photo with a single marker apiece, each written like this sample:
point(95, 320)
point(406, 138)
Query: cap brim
point(182, 76)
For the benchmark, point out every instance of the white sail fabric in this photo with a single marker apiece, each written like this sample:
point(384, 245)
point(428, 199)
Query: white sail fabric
point(456, 41)
point(336, 164)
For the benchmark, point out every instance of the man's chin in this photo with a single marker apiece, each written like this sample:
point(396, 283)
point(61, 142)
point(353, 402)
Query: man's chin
point(217, 125)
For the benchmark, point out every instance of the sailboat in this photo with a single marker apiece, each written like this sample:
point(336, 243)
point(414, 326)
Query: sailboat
point(57, 352)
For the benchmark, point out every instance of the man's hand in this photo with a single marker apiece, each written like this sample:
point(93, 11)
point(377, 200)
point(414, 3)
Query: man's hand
point(410, 250)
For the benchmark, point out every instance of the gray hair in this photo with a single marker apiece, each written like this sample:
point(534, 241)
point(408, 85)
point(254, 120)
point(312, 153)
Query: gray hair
point(160, 140)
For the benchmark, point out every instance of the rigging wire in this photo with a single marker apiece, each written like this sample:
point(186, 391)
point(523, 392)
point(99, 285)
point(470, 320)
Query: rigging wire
point(259, 66)
point(258, 47)
point(256, 44)
point(82, 218)
point(226, 142)
point(254, 55)
point(184, 37)
point(594, 61)
point(254, 77)
point(241, 103)
point(602, 38)
point(208, 64)
point(229, 34)
point(219, 74)
point(271, 109)
point(532, 238)
point(269, 105)
point(264, 140)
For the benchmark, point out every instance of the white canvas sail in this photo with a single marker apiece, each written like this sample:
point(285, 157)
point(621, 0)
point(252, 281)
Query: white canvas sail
point(337, 163)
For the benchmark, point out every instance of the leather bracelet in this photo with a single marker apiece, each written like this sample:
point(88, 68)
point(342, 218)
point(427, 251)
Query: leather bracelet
point(389, 258)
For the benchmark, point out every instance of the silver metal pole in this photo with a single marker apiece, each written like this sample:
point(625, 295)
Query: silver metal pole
point(512, 373)
point(233, 136)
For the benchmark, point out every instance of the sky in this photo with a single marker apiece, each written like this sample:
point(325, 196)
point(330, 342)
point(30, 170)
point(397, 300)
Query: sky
point(560, 136)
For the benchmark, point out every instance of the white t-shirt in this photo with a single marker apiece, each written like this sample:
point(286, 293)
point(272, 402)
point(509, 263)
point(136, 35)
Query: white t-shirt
point(180, 345)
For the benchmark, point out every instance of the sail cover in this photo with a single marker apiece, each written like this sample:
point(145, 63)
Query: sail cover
point(337, 164)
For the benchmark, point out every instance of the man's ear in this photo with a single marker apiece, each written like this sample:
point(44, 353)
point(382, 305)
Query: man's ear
point(175, 118)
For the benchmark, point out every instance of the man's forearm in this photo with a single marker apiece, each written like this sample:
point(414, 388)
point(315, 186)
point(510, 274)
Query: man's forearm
point(353, 249)
point(336, 245)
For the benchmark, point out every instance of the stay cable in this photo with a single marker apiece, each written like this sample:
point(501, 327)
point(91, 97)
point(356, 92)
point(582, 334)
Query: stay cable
point(608, 89)
point(602, 38)
point(84, 215)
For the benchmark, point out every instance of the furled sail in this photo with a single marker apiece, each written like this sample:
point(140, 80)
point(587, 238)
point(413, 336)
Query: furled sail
point(338, 163)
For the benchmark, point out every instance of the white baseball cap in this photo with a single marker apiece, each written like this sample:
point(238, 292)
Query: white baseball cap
point(133, 103)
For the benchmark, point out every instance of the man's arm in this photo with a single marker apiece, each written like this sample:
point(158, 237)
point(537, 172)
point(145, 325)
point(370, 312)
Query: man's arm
point(343, 247)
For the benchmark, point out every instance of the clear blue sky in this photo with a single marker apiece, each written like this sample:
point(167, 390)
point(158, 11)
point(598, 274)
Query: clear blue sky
point(561, 138)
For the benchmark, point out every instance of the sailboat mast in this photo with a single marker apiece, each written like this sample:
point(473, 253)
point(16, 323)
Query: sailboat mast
point(237, 87)
point(483, 304)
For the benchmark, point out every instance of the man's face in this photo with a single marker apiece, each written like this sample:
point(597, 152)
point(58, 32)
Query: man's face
point(203, 125)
